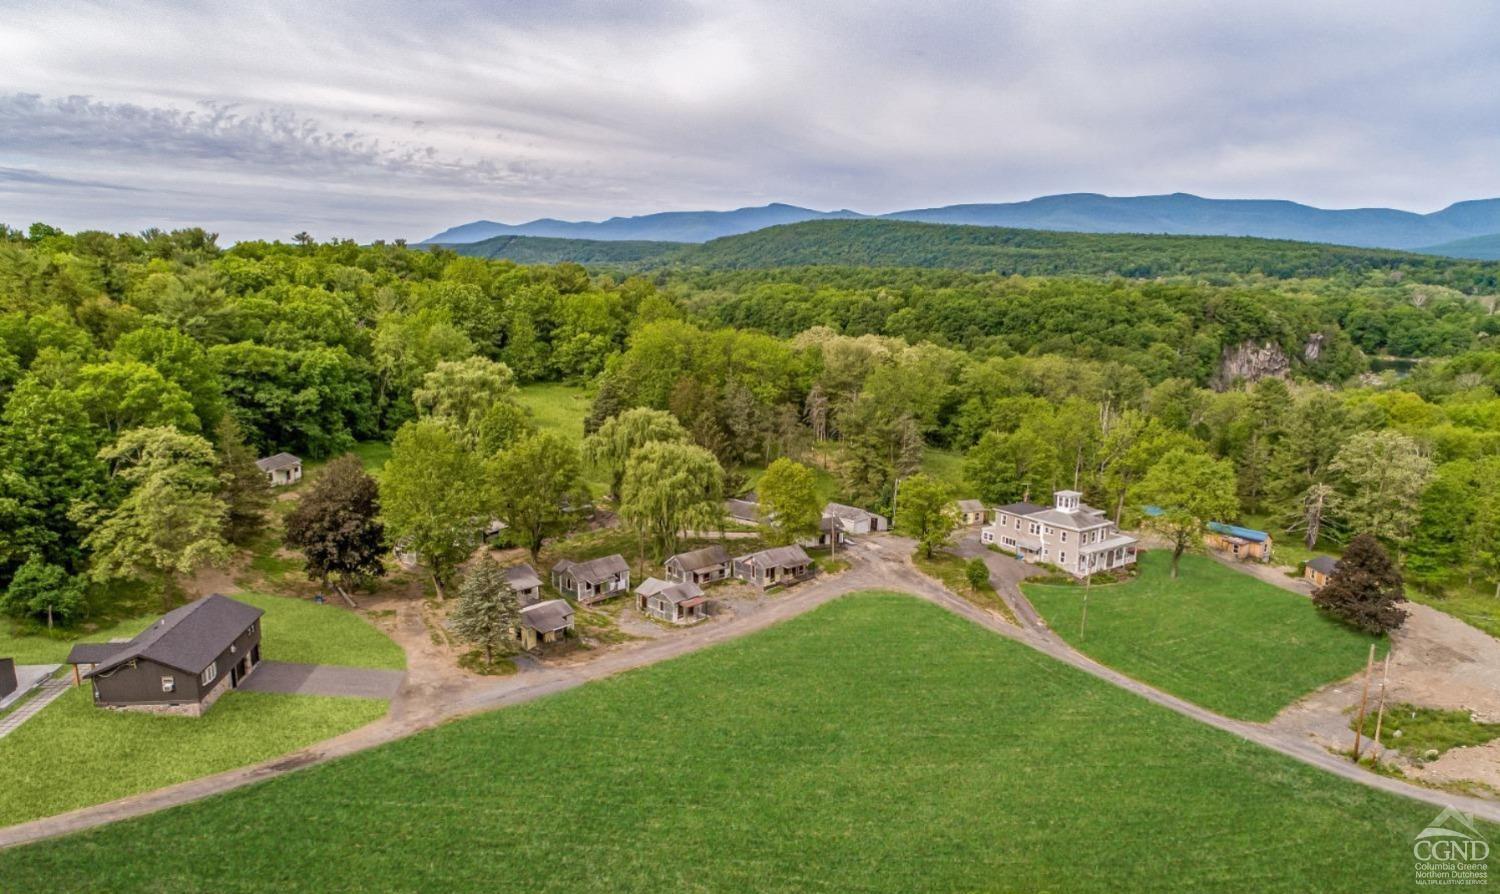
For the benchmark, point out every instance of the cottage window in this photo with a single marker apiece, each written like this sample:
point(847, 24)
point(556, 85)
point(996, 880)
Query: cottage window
point(168, 684)
point(210, 674)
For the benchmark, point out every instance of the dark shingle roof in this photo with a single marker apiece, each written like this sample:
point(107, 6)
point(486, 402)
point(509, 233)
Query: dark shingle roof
point(699, 559)
point(93, 653)
point(187, 638)
point(522, 577)
point(1021, 508)
point(596, 570)
point(546, 617)
point(279, 461)
point(778, 557)
point(1323, 564)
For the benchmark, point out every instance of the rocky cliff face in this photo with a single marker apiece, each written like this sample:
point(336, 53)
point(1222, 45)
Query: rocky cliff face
point(1251, 362)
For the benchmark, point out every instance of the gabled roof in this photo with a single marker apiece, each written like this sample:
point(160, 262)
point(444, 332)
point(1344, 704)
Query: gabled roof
point(970, 505)
point(279, 461)
point(743, 510)
point(547, 617)
point(673, 593)
point(186, 639)
point(1323, 564)
point(522, 577)
point(778, 557)
point(595, 570)
point(1021, 508)
point(699, 559)
point(849, 513)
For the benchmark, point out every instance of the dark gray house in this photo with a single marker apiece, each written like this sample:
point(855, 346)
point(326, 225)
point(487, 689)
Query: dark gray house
point(7, 676)
point(181, 664)
point(699, 566)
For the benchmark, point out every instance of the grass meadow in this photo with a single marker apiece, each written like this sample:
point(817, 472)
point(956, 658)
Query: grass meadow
point(1214, 636)
point(877, 744)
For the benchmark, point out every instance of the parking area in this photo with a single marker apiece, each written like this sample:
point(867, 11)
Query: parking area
point(324, 679)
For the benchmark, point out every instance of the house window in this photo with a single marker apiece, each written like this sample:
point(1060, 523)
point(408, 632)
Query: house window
point(210, 674)
point(168, 684)
point(1062, 558)
point(1065, 537)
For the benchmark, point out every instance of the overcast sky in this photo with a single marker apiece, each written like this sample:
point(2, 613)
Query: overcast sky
point(383, 120)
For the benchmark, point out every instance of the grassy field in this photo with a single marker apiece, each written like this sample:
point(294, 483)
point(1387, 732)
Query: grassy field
point(29, 646)
point(877, 744)
point(72, 754)
point(556, 406)
point(1214, 636)
point(301, 631)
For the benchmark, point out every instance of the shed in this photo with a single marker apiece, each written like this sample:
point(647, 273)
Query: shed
point(972, 512)
point(544, 622)
point(1318, 570)
point(526, 583)
point(1242, 543)
point(281, 469)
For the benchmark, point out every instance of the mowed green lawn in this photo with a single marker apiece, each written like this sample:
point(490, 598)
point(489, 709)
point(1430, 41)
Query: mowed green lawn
point(73, 754)
point(878, 744)
point(1214, 636)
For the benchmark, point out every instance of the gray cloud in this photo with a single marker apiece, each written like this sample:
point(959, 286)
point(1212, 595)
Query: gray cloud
point(377, 121)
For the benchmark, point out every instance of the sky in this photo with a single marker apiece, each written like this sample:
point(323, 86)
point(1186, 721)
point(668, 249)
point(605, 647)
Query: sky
point(378, 120)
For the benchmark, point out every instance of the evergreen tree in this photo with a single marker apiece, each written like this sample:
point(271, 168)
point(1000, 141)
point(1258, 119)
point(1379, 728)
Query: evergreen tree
point(242, 485)
point(1365, 589)
point(487, 609)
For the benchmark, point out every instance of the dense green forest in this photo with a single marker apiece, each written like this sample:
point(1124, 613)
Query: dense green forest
point(889, 243)
point(137, 372)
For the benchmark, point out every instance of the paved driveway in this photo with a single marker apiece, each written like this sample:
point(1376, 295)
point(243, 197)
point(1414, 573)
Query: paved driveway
point(1006, 574)
point(324, 679)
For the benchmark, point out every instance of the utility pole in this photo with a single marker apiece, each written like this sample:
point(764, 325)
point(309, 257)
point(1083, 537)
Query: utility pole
point(1364, 697)
point(1385, 676)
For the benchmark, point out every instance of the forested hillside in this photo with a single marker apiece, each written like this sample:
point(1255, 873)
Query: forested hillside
point(884, 243)
point(137, 372)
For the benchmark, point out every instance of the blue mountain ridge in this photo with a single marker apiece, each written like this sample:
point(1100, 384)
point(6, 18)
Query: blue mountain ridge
point(1177, 214)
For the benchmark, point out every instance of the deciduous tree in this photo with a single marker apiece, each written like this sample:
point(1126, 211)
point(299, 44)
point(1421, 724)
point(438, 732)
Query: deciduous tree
point(925, 511)
point(337, 525)
point(435, 497)
point(1191, 489)
point(1365, 589)
point(536, 480)
point(789, 501)
point(610, 447)
point(171, 520)
point(669, 487)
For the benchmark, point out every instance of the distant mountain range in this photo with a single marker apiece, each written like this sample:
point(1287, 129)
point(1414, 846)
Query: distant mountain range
point(1448, 232)
point(954, 249)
